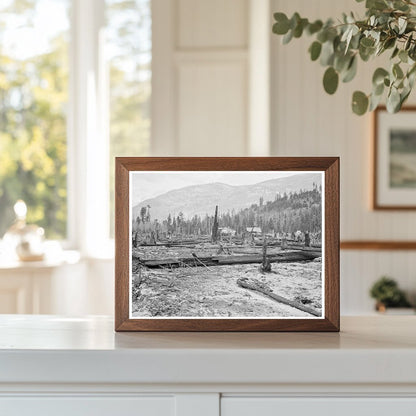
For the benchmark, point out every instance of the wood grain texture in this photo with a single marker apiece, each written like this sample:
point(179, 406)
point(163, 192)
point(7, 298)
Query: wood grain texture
point(121, 244)
point(330, 165)
point(378, 245)
point(376, 204)
point(332, 226)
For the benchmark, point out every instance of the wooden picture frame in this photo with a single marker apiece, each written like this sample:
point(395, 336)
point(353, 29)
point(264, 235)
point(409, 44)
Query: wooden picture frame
point(131, 172)
point(391, 174)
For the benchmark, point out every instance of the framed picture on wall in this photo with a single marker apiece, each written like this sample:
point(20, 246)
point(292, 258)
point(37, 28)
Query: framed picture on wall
point(394, 179)
point(227, 244)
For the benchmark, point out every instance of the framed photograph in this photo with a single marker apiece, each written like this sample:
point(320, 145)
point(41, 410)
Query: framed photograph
point(227, 244)
point(394, 178)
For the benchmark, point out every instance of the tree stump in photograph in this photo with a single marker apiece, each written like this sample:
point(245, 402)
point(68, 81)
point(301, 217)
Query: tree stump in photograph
point(265, 265)
point(307, 239)
point(215, 226)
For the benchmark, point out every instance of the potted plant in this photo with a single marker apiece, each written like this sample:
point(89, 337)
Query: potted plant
point(387, 294)
point(389, 27)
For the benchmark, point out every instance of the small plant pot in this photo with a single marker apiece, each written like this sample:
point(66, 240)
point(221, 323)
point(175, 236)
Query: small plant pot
point(382, 309)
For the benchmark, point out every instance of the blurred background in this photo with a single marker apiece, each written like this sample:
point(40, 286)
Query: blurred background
point(83, 81)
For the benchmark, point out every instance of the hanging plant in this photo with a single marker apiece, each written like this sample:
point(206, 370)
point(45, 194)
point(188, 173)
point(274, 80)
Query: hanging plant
point(389, 27)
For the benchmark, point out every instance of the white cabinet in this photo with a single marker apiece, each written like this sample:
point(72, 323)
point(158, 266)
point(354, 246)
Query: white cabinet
point(269, 406)
point(80, 367)
point(88, 406)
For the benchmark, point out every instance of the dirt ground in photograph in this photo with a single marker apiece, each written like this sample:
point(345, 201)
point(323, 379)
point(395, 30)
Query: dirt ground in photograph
point(214, 292)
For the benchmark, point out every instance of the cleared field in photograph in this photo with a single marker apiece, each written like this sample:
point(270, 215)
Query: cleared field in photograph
point(197, 290)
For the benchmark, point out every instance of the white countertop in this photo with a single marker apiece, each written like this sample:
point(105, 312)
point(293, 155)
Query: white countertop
point(53, 349)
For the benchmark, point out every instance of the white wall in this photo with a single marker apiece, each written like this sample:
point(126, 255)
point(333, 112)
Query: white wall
point(202, 88)
point(308, 122)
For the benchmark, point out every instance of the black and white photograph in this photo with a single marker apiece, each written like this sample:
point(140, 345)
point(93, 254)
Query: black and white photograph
point(226, 244)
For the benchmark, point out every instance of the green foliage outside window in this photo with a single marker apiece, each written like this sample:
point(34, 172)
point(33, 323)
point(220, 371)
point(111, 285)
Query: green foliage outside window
point(129, 42)
point(33, 99)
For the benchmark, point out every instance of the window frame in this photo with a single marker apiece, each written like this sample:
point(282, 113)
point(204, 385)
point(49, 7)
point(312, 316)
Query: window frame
point(87, 133)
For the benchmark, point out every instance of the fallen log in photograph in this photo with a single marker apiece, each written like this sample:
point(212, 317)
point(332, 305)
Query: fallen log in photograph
point(284, 257)
point(257, 286)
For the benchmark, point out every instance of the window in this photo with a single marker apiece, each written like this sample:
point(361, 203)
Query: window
point(129, 46)
point(75, 87)
point(33, 99)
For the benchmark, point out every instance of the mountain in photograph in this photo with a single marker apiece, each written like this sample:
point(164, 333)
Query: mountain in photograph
point(202, 199)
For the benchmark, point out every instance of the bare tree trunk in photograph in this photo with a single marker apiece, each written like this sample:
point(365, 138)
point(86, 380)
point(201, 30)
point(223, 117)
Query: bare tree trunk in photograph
point(307, 240)
point(215, 226)
point(265, 265)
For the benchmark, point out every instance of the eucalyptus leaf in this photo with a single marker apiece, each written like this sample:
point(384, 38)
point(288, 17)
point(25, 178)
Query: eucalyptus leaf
point(315, 50)
point(393, 101)
point(355, 41)
point(404, 96)
point(350, 18)
point(402, 22)
point(412, 69)
point(366, 53)
point(288, 37)
point(347, 33)
point(351, 32)
point(294, 20)
point(351, 71)
point(397, 71)
point(389, 43)
point(330, 80)
point(376, 4)
point(376, 36)
point(367, 42)
point(327, 53)
point(359, 103)
point(322, 35)
point(314, 27)
point(395, 52)
point(411, 78)
point(403, 56)
point(379, 75)
point(378, 89)
point(341, 62)
point(281, 27)
point(374, 101)
point(298, 30)
point(400, 5)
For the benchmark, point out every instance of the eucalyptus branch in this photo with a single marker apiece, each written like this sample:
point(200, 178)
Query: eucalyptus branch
point(389, 25)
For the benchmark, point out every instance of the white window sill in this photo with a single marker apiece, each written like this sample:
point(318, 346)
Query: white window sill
point(8, 262)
